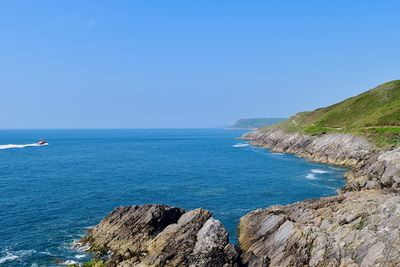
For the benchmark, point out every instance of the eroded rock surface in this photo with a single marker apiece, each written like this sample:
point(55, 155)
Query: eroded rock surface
point(380, 170)
point(339, 149)
point(371, 168)
point(157, 235)
point(353, 229)
point(359, 227)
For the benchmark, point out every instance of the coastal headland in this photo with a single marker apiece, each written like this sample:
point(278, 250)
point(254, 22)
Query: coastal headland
point(358, 227)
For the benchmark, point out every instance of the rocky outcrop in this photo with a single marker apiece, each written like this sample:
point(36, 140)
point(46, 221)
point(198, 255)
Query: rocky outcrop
point(359, 227)
point(353, 229)
point(380, 170)
point(338, 149)
point(370, 168)
point(157, 235)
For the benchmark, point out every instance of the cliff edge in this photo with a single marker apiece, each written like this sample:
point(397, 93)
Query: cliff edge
point(359, 227)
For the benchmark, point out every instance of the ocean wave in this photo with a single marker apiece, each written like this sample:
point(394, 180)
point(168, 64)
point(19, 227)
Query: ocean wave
point(8, 257)
point(324, 186)
point(10, 146)
point(80, 256)
point(79, 246)
point(311, 176)
point(68, 262)
point(47, 253)
point(14, 255)
point(334, 168)
point(318, 171)
point(241, 145)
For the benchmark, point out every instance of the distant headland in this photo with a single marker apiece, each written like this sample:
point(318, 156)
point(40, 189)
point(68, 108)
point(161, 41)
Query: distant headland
point(254, 123)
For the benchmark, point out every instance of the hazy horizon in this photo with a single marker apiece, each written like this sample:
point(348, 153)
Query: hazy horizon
point(177, 64)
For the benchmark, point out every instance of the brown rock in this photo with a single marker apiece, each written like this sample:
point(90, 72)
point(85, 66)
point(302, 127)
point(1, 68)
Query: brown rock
point(357, 229)
point(156, 235)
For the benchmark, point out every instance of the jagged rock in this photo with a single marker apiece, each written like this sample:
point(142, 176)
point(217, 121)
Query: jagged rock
point(353, 229)
point(359, 227)
point(129, 230)
point(157, 235)
point(339, 149)
point(381, 170)
point(371, 168)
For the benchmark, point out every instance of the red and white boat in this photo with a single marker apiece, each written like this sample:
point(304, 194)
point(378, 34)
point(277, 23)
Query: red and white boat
point(42, 142)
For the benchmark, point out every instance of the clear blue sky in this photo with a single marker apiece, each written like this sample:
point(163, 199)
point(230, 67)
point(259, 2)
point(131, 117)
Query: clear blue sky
point(135, 64)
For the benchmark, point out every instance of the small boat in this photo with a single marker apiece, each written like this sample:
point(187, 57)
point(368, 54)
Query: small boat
point(42, 142)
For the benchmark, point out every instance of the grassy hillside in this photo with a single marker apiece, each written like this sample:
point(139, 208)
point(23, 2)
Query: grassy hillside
point(257, 122)
point(374, 114)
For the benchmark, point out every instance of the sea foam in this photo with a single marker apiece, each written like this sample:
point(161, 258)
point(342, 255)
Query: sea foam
point(80, 256)
point(14, 255)
point(311, 176)
point(8, 257)
point(319, 171)
point(69, 262)
point(241, 145)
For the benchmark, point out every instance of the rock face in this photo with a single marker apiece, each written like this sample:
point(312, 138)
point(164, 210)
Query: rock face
point(370, 168)
point(157, 235)
point(381, 170)
point(353, 229)
point(338, 149)
point(359, 227)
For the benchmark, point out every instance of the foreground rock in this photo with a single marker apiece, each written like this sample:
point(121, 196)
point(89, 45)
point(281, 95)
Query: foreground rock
point(157, 235)
point(353, 229)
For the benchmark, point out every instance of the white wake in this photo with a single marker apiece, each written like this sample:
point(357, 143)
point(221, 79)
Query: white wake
point(10, 146)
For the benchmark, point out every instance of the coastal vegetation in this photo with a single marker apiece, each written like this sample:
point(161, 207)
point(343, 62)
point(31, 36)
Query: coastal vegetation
point(374, 114)
point(256, 122)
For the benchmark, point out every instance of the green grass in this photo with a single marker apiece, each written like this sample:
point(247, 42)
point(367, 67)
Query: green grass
point(257, 122)
point(374, 114)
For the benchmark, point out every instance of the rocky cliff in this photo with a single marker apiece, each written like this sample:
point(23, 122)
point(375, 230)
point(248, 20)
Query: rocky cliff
point(370, 168)
point(359, 227)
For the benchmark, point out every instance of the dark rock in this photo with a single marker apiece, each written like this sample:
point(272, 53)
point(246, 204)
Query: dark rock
point(157, 235)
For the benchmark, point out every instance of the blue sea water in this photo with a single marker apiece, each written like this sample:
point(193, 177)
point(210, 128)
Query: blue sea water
point(50, 195)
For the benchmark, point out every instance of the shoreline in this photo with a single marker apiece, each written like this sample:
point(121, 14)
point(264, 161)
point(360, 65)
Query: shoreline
point(347, 229)
point(342, 230)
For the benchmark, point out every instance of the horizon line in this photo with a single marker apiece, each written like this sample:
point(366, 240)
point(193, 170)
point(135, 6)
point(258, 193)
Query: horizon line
point(125, 128)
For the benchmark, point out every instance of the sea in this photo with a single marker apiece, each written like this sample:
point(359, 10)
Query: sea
point(51, 195)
